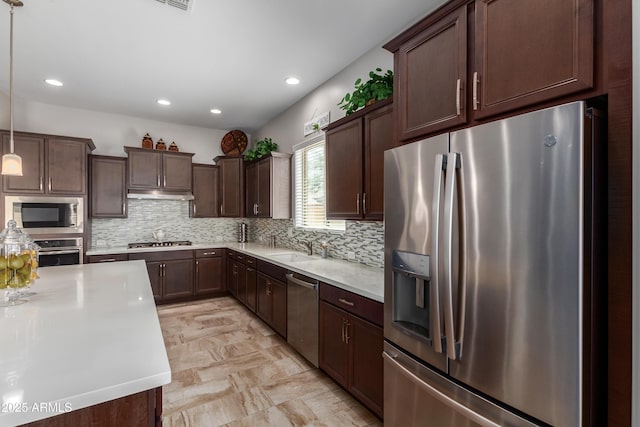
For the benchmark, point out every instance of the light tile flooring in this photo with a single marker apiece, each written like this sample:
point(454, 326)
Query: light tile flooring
point(230, 369)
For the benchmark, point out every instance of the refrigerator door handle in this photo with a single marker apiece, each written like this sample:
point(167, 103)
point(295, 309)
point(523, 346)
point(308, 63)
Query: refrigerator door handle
point(462, 255)
point(437, 394)
point(434, 289)
point(447, 298)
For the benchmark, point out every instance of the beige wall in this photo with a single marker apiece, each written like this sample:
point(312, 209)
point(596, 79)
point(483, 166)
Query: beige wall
point(110, 132)
point(287, 129)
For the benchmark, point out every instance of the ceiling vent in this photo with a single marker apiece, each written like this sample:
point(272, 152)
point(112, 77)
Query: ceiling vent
point(180, 4)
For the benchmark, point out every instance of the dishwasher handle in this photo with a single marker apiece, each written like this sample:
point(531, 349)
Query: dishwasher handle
point(291, 278)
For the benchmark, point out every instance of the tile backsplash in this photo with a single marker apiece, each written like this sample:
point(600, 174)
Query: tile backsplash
point(363, 240)
point(172, 216)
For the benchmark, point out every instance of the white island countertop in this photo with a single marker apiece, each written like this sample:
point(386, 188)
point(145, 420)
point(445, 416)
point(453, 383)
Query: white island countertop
point(90, 334)
point(357, 278)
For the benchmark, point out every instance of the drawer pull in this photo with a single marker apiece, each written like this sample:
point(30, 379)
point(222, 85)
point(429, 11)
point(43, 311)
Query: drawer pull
point(108, 260)
point(346, 302)
point(208, 253)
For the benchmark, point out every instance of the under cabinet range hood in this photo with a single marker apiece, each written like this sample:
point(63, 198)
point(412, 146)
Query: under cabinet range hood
point(159, 195)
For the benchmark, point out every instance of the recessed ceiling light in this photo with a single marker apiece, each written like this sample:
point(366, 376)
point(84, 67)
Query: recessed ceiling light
point(163, 102)
point(292, 81)
point(216, 111)
point(53, 82)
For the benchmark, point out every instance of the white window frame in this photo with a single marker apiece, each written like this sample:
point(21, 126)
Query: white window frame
point(338, 226)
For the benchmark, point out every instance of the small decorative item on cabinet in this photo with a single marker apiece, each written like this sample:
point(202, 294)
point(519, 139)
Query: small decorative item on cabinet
point(160, 145)
point(262, 148)
point(234, 143)
point(377, 88)
point(147, 142)
point(173, 146)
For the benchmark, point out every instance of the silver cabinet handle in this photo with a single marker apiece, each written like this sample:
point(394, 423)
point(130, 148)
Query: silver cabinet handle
point(164, 180)
point(434, 289)
point(344, 322)
point(107, 260)
point(358, 203)
point(447, 298)
point(249, 269)
point(346, 332)
point(458, 82)
point(364, 203)
point(346, 302)
point(476, 82)
point(158, 180)
point(50, 183)
point(435, 393)
point(41, 183)
point(209, 253)
point(194, 207)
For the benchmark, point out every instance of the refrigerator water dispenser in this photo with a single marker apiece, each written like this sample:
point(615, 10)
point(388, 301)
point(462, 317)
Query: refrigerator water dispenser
point(411, 283)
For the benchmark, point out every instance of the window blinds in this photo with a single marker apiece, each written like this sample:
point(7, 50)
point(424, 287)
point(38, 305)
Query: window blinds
point(310, 196)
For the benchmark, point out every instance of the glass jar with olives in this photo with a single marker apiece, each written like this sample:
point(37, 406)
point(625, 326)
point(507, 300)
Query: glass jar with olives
point(18, 264)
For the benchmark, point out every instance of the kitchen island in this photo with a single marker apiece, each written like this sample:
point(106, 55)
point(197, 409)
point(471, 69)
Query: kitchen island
point(90, 338)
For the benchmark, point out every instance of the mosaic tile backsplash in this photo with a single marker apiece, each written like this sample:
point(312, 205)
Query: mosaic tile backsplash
point(364, 240)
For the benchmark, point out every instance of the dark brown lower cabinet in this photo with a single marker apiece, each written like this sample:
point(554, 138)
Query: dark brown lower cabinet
point(170, 273)
point(351, 354)
point(272, 302)
point(208, 272)
point(252, 288)
point(140, 409)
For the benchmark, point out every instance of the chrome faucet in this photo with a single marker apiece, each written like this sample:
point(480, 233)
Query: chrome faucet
point(308, 245)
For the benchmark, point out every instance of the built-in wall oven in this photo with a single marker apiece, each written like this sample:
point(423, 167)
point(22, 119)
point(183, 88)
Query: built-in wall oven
point(55, 252)
point(46, 215)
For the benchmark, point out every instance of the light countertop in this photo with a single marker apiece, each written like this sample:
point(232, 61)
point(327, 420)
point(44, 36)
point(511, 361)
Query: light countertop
point(91, 334)
point(357, 278)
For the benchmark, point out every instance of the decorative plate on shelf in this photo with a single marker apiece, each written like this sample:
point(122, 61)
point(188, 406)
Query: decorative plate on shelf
point(234, 143)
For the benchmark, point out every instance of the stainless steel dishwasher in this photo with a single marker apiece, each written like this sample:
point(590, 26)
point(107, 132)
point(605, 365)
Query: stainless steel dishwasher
point(302, 315)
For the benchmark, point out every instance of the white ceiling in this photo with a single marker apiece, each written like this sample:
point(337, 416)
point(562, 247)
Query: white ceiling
point(120, 56)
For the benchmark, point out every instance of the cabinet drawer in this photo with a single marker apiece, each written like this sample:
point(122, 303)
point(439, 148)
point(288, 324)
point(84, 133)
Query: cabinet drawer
point(366, 308)
point(272, 270)
point(106, 258)
point(208, 253)
point(232, 255)
point(162, 255)
point(250, 261)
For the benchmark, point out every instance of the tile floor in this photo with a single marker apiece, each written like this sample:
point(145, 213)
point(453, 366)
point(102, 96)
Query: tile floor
point(230, 369)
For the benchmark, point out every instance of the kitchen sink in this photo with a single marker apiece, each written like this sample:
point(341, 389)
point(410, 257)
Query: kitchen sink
point(292, 257)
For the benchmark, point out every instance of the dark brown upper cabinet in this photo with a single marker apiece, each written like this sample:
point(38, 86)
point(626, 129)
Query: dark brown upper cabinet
point(531, 51)
point(268, 187)
point(51, 164)
point(472, 60)
point(355, 148)
point(154, 170)
point(431, 77)
point(205, 191)
point(108, 187)
point(231, 186)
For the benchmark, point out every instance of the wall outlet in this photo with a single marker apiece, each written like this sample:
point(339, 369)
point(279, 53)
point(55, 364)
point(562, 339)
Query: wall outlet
point(351, 256)
point(290, 232)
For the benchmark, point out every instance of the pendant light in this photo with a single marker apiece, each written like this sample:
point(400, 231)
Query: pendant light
point(11, 162)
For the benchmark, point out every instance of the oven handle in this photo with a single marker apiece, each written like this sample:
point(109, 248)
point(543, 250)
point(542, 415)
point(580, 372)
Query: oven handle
point(61, 252)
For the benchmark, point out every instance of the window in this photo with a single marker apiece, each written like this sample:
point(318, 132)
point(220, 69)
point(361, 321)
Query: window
point(309, 188)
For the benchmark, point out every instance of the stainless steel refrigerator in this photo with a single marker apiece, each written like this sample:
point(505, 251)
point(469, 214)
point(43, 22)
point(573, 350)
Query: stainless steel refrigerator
point(488, 274)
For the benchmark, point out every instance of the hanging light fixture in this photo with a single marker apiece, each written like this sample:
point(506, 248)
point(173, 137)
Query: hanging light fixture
point(11, 162)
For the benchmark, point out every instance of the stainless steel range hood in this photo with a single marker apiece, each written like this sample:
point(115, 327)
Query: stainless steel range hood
point(159, 195)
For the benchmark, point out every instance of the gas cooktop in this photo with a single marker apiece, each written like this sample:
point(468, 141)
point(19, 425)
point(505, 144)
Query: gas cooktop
point(159, 244)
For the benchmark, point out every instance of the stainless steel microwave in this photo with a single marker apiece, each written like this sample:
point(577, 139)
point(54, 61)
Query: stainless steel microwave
point(45, 215)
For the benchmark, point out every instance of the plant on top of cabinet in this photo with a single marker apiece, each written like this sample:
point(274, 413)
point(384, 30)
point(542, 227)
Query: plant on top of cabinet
point(262, 148)
point(377, 88)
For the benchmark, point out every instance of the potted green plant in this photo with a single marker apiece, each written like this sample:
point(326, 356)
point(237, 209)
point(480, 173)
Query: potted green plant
point(261, 149)
point(378, 87)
